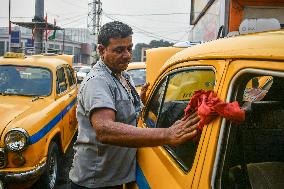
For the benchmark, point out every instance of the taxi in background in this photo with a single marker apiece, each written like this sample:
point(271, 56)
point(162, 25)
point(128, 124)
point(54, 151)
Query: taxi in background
point(37, 110)
point(137, 70)
point(225, 154)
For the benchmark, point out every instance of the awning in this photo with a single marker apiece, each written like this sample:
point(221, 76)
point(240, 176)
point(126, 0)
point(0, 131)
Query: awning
point(38, 25)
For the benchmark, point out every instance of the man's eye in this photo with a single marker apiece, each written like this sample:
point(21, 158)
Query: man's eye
point(118, 51)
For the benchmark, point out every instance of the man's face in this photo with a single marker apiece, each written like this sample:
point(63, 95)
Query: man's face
point(117, 54)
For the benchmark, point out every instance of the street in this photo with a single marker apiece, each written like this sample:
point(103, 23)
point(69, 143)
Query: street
point(66, 164)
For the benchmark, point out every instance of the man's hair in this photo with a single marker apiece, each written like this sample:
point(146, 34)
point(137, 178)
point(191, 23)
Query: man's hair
point(113, 29)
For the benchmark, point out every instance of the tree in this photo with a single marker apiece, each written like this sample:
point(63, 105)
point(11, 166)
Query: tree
point(153, 44)
point(138, 51)
point(161, 43)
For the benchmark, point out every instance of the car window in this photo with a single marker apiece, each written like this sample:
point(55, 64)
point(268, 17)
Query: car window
point(138, 76)
point(252, 152)
point(70, 76)
point(168, 103)
point(25, 80)
point(61, 84)
point(153, 107)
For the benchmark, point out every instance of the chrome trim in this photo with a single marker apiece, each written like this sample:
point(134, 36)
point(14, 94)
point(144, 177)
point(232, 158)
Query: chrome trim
point(22, 131)
point(1, 185)
point(2, 151)
point(25, 176)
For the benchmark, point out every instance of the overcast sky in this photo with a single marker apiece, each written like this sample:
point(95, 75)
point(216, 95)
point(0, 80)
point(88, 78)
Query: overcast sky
point(150, 19)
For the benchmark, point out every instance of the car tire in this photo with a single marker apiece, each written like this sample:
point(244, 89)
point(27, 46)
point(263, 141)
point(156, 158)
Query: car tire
point(50, 176)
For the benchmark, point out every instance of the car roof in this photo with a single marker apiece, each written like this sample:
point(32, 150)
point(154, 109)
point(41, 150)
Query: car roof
point(136, 65)
point(82, 66)
point(265, 45)
point(51, 62)
point(85, 67)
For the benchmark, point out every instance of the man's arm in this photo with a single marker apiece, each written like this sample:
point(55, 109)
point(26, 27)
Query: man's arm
point(116, 133)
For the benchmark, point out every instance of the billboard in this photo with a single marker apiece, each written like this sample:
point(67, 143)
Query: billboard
point(30, 43)
point(15, 39)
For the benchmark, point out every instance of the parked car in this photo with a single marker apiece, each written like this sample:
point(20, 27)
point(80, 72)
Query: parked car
point(37, 110)
point(226, 154)
point(76, 68)
point(82, 73)
point(137, 70)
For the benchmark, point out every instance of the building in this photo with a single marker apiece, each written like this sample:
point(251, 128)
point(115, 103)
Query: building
point(210, 18)
point(76, 41)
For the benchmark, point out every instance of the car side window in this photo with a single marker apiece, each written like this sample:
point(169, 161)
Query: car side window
point(151, 115)
point(61, 84)
point(168, 103)
point(70, 76)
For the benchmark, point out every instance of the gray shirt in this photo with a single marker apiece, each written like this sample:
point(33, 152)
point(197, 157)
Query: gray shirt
point(96, 164)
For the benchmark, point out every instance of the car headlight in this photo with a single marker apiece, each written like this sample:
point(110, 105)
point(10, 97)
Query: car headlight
point(16, 139)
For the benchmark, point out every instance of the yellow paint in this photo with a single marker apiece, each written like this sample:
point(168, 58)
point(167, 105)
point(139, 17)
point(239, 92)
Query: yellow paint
point(32, 116)
point(134, 66)
point(227, 57)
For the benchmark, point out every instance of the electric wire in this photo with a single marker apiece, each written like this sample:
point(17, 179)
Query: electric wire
point(142, 31)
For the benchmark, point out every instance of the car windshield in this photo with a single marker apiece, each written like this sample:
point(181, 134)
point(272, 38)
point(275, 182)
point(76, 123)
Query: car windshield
point(85, 70)
point(138, 76)
point(25, 80)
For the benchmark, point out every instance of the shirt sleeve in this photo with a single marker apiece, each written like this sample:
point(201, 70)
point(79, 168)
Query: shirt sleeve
point(97, 93)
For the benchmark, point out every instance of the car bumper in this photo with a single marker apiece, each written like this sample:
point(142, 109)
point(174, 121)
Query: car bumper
point(22, 176)
point(79, 80)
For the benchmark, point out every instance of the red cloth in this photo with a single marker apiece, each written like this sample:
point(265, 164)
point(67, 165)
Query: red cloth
point(209, 106)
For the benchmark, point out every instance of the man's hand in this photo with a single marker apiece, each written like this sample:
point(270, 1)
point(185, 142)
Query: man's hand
point(183, 130)
point(144, 91)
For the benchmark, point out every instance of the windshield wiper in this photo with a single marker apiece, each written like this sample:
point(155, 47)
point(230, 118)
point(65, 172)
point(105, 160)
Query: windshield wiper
point(36, 98)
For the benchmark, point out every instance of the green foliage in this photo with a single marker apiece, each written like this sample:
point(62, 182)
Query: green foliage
point(153, 44)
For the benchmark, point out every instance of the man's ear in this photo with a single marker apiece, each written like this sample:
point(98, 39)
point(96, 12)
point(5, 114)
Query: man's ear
point(101, 49)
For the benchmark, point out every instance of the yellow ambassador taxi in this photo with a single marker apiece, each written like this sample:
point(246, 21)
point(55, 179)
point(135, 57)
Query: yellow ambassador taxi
point(137, 70)
point(225, 154)
point(37, 110)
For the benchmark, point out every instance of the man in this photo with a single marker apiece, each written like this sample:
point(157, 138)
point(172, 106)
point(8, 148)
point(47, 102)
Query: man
point(108, 105)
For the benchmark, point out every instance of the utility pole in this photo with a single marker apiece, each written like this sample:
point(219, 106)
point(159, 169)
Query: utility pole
point(10, 23)
point(38, 26)
point(98, 14)
point(94, 20)
point(38, 33)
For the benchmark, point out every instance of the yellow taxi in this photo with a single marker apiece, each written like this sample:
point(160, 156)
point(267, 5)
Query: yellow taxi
point(37, 110)
point(225, 154)
point(137, 70)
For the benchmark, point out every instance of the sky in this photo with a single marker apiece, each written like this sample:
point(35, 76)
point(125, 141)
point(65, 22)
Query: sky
point(150, 19)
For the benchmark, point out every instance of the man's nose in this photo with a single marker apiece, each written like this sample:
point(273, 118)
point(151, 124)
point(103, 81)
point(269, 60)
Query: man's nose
point(127, 54)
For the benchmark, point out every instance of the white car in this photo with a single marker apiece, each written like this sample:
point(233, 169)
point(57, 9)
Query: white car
point(82, 73)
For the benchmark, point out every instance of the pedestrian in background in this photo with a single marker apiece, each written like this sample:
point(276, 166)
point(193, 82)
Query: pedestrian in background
point(108, 107)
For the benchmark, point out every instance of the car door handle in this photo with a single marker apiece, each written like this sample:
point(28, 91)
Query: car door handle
point(70, 94)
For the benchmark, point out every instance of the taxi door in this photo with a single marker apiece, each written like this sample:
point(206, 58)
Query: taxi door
point(175, 166)
point(71, 127)
point(63, 101)
point(226, 151)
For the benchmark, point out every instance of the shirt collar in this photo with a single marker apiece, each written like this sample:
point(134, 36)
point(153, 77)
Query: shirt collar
point(104, 66)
